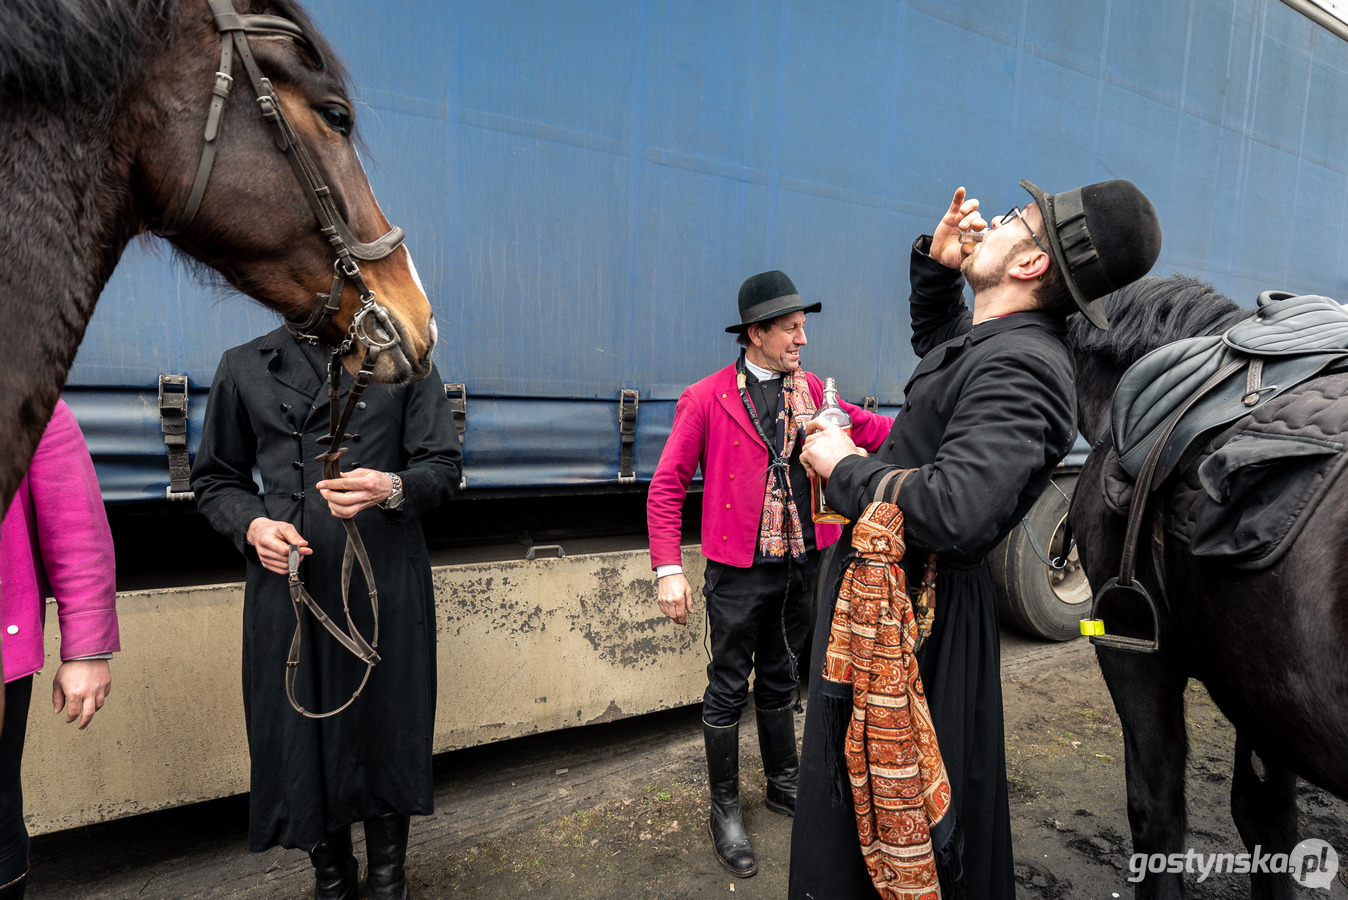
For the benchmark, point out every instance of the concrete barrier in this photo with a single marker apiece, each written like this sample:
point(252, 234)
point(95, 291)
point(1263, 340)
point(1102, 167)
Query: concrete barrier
point(523, 647)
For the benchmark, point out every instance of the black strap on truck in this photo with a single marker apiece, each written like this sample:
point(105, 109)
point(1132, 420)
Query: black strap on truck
point(628, 401)
point(457, 392)
point(173, 422)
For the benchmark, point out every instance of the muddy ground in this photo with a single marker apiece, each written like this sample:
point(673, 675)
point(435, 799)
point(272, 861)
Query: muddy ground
point(619, 811)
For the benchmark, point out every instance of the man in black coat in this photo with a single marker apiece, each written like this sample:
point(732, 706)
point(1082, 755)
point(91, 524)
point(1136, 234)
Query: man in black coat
point(988, 413)
point(371, 763)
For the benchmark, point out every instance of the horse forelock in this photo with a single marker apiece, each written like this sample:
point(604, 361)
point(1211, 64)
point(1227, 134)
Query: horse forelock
point(1150, 313)
point(327, 60)
point(75, 51)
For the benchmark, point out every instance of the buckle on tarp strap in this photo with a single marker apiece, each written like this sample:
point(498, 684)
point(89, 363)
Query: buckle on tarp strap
point(173, 422)
point(871, 404)
point(457, 392)
point(627, 427)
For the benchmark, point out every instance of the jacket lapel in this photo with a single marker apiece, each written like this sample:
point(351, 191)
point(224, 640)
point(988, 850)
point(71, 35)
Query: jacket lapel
point(728, 395)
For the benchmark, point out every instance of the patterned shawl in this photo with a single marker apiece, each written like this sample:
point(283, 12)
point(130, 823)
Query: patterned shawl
point(779, 529)
point(899, 786)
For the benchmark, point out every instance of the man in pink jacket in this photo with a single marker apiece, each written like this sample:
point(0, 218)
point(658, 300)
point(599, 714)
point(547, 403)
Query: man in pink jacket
point(744, 426)
point(54, 540)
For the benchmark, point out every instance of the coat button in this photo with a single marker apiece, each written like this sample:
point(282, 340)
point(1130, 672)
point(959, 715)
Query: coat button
point(297, 464)
point(285, 407)
point(355, 438)
point(13, 629)
point(296, 435)
point(737, 443)
point(360, 404)
point(732, 477)
point(727, 506)
point(298, 495)
point(724, 538)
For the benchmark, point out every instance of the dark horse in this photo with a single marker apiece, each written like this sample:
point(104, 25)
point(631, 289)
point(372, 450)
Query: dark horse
point(1268, 645)
point(104, 105)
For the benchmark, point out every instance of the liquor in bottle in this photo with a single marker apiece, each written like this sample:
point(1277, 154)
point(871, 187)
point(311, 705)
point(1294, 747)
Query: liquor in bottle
point(831, 411)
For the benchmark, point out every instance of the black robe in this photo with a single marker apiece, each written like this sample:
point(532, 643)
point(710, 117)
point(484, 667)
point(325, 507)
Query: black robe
point(988, 413)
point(267, 408)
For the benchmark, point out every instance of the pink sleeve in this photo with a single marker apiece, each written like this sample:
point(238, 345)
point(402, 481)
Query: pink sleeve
point(669, 485)
point(869, 429)
point(74, 538)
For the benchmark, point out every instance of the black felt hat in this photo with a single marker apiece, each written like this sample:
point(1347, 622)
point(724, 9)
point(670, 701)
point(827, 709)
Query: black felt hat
point(1103, 236)
point(766, 296)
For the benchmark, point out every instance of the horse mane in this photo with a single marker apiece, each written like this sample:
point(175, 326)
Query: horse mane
point(73, 51)
point(79, 51)
point(1152, 312)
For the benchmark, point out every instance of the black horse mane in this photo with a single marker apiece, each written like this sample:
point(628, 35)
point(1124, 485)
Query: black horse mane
point(78, 52)
point(1152, 312)
point(73, 51)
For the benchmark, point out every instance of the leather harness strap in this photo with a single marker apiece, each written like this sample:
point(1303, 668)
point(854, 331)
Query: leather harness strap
point(339, 417)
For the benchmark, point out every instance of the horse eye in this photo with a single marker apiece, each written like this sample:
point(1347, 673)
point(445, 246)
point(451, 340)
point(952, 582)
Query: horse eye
point(338, 119)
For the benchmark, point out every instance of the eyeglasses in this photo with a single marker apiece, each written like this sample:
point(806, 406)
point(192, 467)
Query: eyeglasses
point(1015, 211)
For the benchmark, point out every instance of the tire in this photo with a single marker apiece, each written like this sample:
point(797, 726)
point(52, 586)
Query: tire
point(1031, 596)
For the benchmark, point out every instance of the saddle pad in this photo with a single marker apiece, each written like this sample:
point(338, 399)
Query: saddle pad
point(1250, 490)
point(1295, 338)
point(1287, 324)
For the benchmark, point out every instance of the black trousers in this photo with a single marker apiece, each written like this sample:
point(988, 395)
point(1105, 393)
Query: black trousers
point(13, 834)
point(756, 615)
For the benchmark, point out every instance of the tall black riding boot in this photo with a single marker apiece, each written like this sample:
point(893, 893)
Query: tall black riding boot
point(336, 872)
point(777, 742)
point(386, 850)
point(14, 889)
point(726, 824)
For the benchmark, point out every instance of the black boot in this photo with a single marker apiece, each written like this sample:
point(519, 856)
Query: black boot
point(726, 825)
point(336, 872)
point(777, 742)
point(14, 889)
point(386, 851)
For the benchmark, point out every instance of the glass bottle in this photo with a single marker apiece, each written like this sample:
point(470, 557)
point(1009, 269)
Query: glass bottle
point(831, 411)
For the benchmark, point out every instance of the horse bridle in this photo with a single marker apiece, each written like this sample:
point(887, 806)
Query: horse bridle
point(234, 30)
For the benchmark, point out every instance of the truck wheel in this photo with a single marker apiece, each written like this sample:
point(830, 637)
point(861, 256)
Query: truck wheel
point(1031, 596)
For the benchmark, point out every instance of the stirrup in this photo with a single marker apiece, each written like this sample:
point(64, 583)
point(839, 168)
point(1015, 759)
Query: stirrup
point(1095, 628)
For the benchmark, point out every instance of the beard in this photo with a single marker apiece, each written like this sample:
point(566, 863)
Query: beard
point(987, 278)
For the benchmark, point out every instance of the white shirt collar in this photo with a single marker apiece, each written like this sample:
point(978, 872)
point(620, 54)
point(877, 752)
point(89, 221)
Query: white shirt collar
point(761, 373)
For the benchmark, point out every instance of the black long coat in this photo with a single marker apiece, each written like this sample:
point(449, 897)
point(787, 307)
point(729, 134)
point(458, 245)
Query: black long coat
point(988, 413)
point(267, 408)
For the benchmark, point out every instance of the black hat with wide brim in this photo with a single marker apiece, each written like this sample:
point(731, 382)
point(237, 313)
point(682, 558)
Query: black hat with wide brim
point(1103, 236)
point(766, 296)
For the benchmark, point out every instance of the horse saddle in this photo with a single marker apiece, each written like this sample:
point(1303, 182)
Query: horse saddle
point(1182, 391)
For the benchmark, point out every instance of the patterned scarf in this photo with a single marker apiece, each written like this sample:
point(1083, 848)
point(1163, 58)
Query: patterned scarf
point(898, 780)
point(779, 529)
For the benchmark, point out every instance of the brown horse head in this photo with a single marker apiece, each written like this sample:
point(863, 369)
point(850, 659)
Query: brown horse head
point(256, 222)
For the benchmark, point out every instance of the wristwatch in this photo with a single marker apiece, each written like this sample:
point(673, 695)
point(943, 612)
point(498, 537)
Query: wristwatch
point(395, 499)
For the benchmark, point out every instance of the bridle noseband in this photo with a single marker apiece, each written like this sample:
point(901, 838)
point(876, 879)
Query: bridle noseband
point(234, 30)
point(366, 325)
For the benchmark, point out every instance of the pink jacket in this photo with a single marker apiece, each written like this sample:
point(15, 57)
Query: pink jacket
point(55, 538)
point(711, 429)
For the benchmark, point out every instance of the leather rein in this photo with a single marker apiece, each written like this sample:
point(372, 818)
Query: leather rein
point(371, 325)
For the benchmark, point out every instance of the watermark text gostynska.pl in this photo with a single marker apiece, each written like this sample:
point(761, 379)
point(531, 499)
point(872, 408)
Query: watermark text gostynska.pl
point(1312, 863)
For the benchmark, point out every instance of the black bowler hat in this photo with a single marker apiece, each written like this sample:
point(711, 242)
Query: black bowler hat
point(767, 296)
point(1103, 236)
